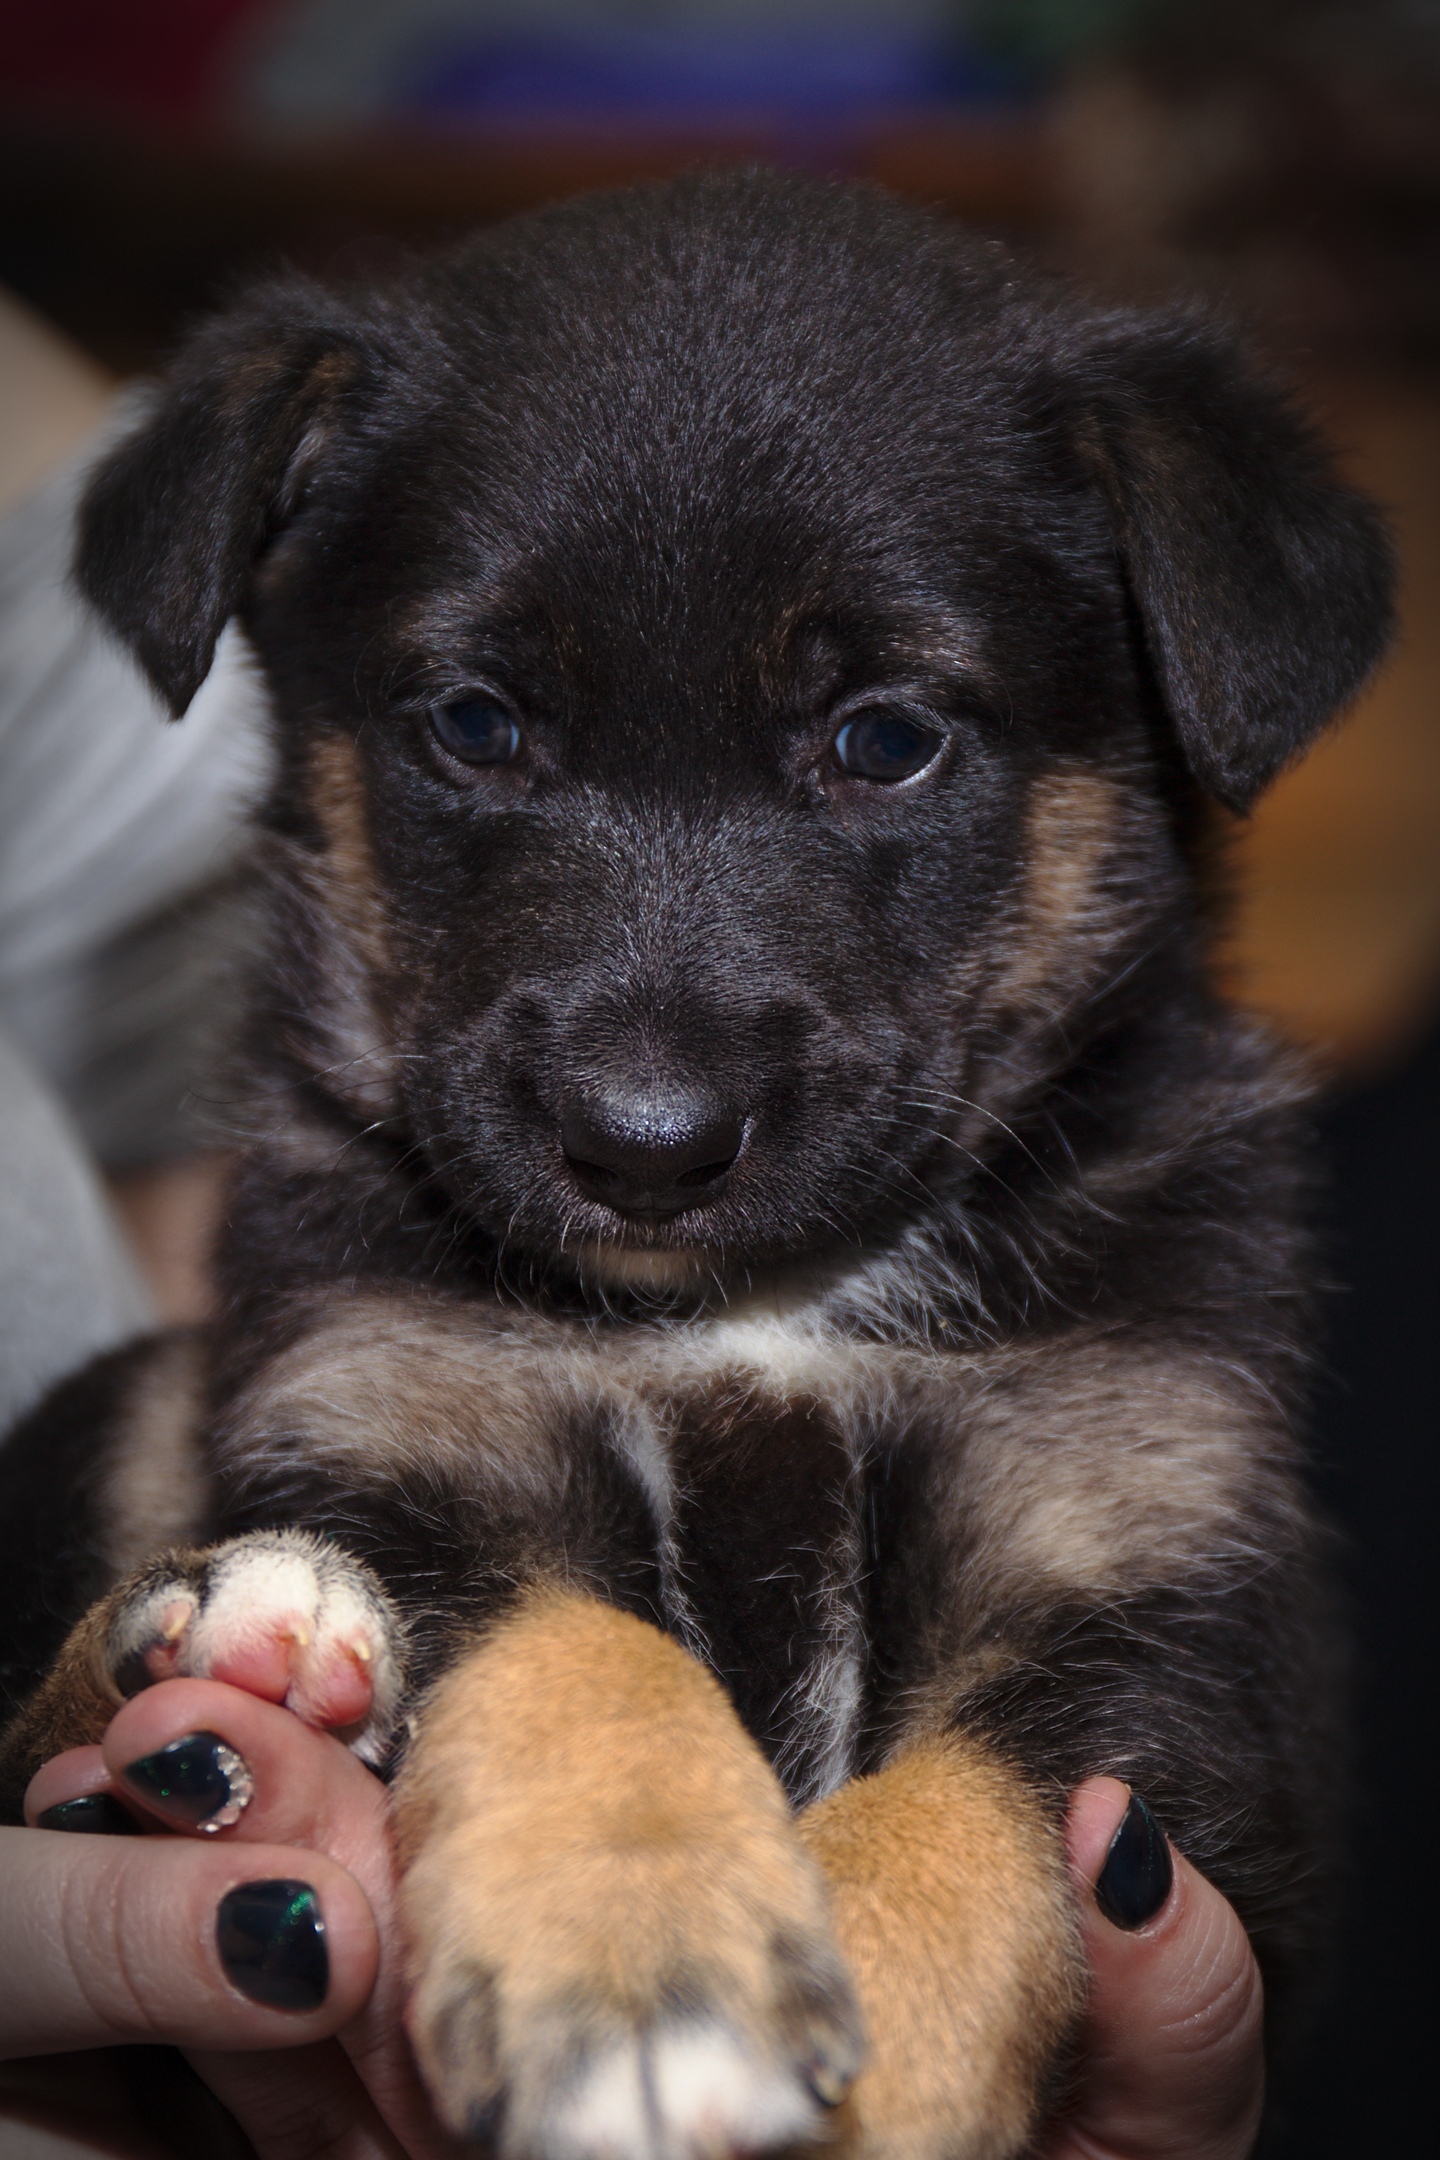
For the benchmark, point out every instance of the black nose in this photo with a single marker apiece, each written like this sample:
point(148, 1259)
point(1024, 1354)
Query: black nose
point(650, 1153)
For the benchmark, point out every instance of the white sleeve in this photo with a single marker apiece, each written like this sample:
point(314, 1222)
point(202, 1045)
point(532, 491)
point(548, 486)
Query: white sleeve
point(115, 828)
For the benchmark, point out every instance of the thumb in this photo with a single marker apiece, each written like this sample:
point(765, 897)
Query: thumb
point(1173, 2067)
point(114, 1939)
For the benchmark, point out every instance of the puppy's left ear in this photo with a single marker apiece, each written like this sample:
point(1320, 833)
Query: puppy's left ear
point(177, 513)
point(1265, 585)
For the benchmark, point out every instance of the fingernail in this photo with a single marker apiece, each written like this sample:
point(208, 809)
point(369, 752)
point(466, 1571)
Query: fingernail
point(98, 1812)
point(197, 1780)
point(271, 1939)
point(1135, 1880)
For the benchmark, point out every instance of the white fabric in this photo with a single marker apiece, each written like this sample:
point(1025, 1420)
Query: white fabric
point(68, 1286)
point(118, 831)
point(109, 816)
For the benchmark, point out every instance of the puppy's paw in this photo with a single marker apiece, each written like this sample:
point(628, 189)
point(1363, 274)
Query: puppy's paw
point(730, 2036)
point(622, 1950)
point(279, 1613)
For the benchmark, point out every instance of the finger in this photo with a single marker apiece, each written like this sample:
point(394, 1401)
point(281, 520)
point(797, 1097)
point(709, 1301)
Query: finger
point(287, 1785)
point(73, 1791)
point(306, 1789)
point(149, 1939)
point(306, 2101)
point(1174, 2068)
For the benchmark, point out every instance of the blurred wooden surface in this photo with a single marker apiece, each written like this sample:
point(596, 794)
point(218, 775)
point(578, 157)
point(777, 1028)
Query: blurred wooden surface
point(1338, 930)
point(53, 395)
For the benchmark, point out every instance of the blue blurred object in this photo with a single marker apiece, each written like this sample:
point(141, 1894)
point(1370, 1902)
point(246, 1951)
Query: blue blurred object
point(688, 74)
point(564, 61)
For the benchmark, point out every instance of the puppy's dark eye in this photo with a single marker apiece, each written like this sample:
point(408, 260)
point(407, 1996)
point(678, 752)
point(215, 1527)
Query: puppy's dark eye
point(884, 745)
point(477, 730)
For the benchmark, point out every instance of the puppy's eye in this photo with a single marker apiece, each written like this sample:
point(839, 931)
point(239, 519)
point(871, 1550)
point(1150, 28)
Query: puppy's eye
point(884, 745)
point(477, 730)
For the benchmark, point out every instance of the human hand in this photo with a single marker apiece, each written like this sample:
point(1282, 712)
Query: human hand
point(134, 1955)
point(1173, 2067)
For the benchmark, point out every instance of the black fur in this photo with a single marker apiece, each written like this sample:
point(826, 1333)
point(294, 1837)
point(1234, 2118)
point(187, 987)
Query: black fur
point(679, 472)
point(51, 1465)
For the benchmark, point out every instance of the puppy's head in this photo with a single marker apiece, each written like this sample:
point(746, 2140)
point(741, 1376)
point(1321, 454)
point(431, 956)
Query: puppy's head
point(739, 650)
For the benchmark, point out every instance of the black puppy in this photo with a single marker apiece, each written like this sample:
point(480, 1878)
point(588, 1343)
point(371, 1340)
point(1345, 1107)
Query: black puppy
point(762, 1268)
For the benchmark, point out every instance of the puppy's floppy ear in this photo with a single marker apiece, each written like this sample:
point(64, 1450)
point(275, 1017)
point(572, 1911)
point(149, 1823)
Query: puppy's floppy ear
point(175, 515)
point(1264, 584)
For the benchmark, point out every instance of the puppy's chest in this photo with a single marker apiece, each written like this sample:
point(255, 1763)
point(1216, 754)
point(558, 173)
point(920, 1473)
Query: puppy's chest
point(766, 1563)
point(826, 1522)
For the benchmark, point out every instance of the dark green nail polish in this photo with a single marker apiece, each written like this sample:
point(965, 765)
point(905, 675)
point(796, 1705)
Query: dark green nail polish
point(1135, 1880)
point(197, 1780)
point(271, 1939)
point(98, 1812)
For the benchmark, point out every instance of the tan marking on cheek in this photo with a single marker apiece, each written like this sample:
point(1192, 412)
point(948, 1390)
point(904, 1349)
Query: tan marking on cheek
point(1071, 821)
point(953, 1909)
point(351, 888)
point(355, 970)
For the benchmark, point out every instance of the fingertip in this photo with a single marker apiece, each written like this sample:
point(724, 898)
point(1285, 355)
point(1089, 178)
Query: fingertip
point(1133, 1887)
point(352, 1938)
point(251, 1770)
point(225, 1947)
point(1175, 2060)
point(159, 1715)
point(1097, 1809)
point(127, 1943)
point(77, 1775)
point(1119, 1854)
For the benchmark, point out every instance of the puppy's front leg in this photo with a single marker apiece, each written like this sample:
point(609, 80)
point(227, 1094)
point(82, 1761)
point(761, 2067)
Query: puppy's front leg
point(620, 1946)
point(953, 1909)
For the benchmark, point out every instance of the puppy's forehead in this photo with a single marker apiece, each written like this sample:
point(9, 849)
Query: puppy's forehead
point(696, 523)
point(713, 356)
point(677, 457)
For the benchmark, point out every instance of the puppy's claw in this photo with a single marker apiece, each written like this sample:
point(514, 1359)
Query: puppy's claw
point(829, 2083)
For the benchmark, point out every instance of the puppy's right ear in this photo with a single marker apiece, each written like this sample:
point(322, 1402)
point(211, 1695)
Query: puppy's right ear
point(175, 515)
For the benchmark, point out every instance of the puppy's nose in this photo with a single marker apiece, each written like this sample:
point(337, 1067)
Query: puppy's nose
point(650, 1154)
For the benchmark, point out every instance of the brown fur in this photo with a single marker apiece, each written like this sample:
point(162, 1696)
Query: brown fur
point(80, 1693)
point(350, 932)
point(158, 1492)
point(584, 1821)
point(1063, 921)
point(336, 793)
point(947, 1879)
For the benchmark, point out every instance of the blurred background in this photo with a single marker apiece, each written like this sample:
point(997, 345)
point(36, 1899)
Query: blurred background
point(1282, 158)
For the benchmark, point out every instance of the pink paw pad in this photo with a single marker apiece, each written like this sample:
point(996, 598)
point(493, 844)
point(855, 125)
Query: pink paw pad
point(325, 1678)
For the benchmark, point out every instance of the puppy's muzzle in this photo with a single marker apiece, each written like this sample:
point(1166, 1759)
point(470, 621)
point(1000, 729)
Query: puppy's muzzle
point(651, 1153)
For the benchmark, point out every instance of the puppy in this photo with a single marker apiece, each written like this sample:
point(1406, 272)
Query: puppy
point(764, 1297)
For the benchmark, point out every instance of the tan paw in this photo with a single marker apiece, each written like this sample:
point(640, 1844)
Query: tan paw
point(548, 2059)
point(622, 1950)
point(954, 1905)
